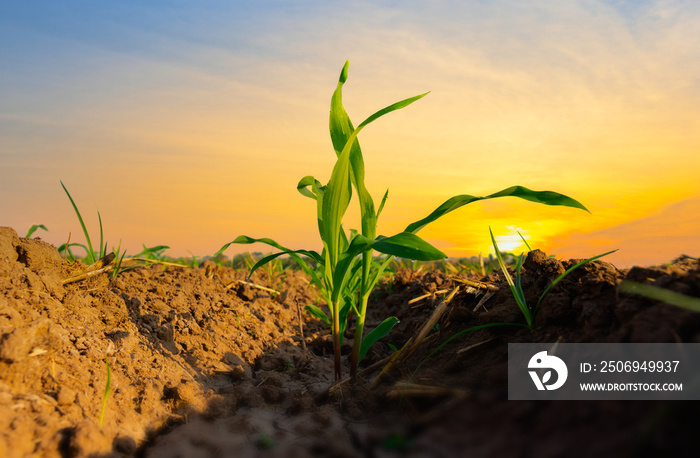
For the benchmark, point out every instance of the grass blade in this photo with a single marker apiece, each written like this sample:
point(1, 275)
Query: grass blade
point(518, 268)
point(381, 204)
point(661, 294)
point(525, 241)
point(108, 385)
point(103, 244)
point(91, 253)
point(567, 272)
point(517, 292)
point(375, 334)
point(119, 258)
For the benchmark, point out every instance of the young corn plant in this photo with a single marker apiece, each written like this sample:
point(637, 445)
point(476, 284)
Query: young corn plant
point(346, 272)
point(516, 288)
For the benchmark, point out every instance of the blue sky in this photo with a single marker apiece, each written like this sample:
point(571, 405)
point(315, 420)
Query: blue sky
point(189, 123)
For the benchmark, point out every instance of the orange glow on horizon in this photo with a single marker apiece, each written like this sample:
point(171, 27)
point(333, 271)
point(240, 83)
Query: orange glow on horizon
point(190, 141)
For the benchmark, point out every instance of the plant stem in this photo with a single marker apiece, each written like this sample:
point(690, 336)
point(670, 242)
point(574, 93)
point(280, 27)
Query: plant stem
point(336, 340)
point(360, 324)
point(359, 330)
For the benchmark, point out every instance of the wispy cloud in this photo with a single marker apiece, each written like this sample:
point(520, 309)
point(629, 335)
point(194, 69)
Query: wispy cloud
point(590, 98)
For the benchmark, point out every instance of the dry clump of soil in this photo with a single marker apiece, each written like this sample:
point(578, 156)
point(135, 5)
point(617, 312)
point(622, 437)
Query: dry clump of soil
point(201, 370)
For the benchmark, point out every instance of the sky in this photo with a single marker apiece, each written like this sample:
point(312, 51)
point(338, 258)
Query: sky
point(189, 123)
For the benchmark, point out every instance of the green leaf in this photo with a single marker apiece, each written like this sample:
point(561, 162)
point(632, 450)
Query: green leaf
point(393, 107)
point(377, 274)
point(377, 333)
point(518, 268)
point(153, 252)
point(543, 197)
point(381, 205)
point(103, 247)
point(540, 197)
point(661, 294)
point(294, 254)
point(33, 229)
point(358, 244)
point(108, 385)
point(313, 183)
point(407, 245)
point(348, 149)
point(518, 293)
point(246, 240)
point(316, 192)
point(341, 130)
point(90, 252)
point(318, 313)
point(567, 272)
point(524, 241)
point(335, 202)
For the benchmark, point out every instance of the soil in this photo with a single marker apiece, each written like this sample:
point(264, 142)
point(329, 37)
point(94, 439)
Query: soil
point(201, 370)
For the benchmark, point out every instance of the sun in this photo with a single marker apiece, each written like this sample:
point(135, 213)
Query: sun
point(512, 242)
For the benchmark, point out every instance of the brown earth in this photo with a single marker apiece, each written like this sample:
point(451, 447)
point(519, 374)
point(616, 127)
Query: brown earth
point(198, 370)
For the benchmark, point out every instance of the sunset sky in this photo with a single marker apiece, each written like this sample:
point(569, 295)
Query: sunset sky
point(188, 124)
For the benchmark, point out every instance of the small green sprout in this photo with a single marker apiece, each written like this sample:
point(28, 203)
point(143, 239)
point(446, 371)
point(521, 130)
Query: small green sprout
point(119, 258)
point(516, 288)
point(33, 230)
point(194, 262)
point(108, 385)
point(92, 256)
point(155, 253)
